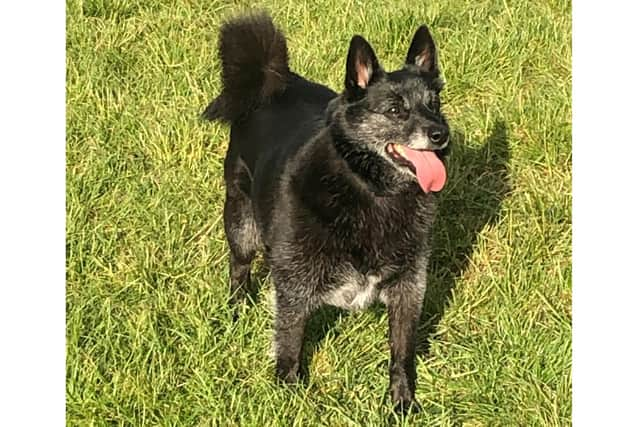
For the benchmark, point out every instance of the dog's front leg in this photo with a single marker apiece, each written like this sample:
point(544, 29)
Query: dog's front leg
point(404, 303)
point(291, 316)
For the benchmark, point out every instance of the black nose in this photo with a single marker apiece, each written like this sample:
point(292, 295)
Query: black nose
point(438, 135)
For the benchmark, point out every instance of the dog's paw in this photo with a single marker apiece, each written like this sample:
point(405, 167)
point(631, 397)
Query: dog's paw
point(404, 402)
point(406, 407)
point(287, 372)
point(287, 377)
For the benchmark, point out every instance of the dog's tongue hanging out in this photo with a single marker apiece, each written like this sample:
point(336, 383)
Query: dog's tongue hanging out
point(430, 170)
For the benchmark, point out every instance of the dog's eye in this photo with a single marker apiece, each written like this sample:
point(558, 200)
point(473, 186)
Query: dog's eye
point(397, 111)
point(434, 105)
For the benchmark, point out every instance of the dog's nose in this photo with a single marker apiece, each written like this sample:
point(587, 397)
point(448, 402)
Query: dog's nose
point(438, 135)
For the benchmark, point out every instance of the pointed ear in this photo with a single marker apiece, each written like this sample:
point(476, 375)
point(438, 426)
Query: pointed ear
point(422, 51)
point(362, 67)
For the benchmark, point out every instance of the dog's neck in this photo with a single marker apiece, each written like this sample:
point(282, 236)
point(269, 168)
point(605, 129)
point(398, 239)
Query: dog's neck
point(336, 168)
point(333, 182)
point(376, 174)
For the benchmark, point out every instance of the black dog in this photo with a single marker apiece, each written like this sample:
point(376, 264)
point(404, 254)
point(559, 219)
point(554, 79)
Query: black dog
point(337, 190)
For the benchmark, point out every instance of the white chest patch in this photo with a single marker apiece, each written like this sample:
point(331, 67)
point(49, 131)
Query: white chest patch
point(356, 293)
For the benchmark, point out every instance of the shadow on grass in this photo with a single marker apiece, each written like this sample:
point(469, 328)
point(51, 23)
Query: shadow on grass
point(479, 182)
point(321, 322)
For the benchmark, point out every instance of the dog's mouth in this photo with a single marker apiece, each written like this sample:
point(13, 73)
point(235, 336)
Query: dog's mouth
point(425, 165)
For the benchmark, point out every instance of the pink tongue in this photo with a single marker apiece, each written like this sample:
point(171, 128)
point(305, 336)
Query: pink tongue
point(430, 171)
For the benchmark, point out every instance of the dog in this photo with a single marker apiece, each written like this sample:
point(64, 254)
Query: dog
point(336, 190)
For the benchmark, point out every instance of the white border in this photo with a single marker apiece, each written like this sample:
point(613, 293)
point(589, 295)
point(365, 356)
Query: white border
point(606, 297)
point(32, 214)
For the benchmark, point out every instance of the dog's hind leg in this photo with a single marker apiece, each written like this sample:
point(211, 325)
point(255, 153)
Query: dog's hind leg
point(242, 234)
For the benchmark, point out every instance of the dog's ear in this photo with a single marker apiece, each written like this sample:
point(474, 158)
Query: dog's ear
point(422, 51)
point(363, 68)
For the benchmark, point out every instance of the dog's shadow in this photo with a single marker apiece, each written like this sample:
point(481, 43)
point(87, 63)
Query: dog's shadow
point(479, 182)
point(472, 199)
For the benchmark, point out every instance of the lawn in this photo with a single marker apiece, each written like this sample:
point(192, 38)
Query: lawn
point(150, 340)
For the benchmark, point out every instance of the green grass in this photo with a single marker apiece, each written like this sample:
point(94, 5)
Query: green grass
point(150, 340)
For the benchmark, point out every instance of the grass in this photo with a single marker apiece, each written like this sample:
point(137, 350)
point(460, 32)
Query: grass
point(150, 340)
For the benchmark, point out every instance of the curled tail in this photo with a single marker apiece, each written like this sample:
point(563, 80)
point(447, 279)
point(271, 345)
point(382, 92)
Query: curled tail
point(255, 66)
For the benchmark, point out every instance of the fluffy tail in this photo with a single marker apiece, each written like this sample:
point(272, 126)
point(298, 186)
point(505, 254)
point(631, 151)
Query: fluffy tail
point(255, 66)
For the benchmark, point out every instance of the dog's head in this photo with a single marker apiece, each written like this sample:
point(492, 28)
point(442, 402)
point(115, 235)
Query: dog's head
point(392, 121)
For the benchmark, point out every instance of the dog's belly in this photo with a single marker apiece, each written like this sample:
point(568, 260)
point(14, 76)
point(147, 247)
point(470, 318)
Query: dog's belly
point(356, 292)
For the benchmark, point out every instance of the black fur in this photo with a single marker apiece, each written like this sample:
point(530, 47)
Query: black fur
point(309, 182)
point(254, 67)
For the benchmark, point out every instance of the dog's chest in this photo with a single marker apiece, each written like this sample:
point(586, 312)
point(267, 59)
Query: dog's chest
point(355, 291)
